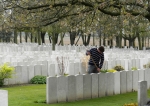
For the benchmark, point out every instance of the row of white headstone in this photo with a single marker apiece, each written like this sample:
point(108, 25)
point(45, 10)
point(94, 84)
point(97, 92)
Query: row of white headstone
point(79, 87)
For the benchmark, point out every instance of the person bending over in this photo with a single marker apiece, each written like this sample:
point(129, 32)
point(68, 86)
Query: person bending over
point(96, 59)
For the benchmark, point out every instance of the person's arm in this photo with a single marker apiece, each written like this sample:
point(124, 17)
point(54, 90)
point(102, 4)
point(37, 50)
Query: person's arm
point(102, 61)
point(88, 52)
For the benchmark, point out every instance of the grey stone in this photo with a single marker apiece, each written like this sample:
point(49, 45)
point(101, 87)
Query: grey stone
point(123, 82)
point(51, 90)
point(129, 81)
point(102, 84)
point(62, 88)
point(71, 92)
point(142, 93)
point(3, 98)
point(87, 89)
point(94, 85)
point(79, 87)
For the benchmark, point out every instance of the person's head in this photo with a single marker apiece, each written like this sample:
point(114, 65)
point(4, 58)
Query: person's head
point(101, 49)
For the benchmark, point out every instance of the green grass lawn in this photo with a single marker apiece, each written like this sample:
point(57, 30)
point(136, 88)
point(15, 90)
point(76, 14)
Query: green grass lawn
point(35, 95)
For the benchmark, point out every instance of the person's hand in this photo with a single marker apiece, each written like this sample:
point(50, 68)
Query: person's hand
point(88, 53)
point(98, 69)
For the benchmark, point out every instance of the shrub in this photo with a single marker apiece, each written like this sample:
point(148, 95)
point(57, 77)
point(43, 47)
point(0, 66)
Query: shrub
point(118, 68)
point(6, 71)
point(38, 80)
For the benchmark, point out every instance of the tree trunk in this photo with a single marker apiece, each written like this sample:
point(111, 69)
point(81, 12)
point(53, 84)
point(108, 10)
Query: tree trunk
point(72, 37)
point(35, 39)
point(108, 42)
point(93, 39)
point(142, 42)
point(26, 36)
point(15, 37)
point(104, 40)
point(54, 40)
point(39, 38)
point(88, 39)
point(139, 41)
point(111, 42)
point(99, 39)
point(31, 38)
point(61, 39)
point(50, 39)
point(43, 36)
point(78, 39)
point(20, 37)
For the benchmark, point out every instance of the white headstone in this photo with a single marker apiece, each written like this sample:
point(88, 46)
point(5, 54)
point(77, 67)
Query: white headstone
point(25, 75)
point(147, 78)
point(38, 70)
point(82, 66)
point(142, 93)
point(18, 75)
point(51, 70)
point(102, 84)
point(135, 80)
point(123, 80)
point(94, 85)
point(30, 71)
point(110, 84)
point(51, 90)
point(71, 92)
point(62, 88)
point(87, 82)
point(76, 68)
point(117, 82)
point(129, 81)
point(79, 87)
point(141, 75)
point(44, 70)
point(71, 69)
point(3, 98)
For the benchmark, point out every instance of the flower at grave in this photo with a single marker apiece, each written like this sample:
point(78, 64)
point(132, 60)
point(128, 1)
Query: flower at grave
point(112, 70)
point(133, 68)
point(146, 65)
point(103, 71)
point(131, 104)
point(118, 68)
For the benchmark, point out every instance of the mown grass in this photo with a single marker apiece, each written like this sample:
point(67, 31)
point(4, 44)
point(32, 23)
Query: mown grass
point(35, 95)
